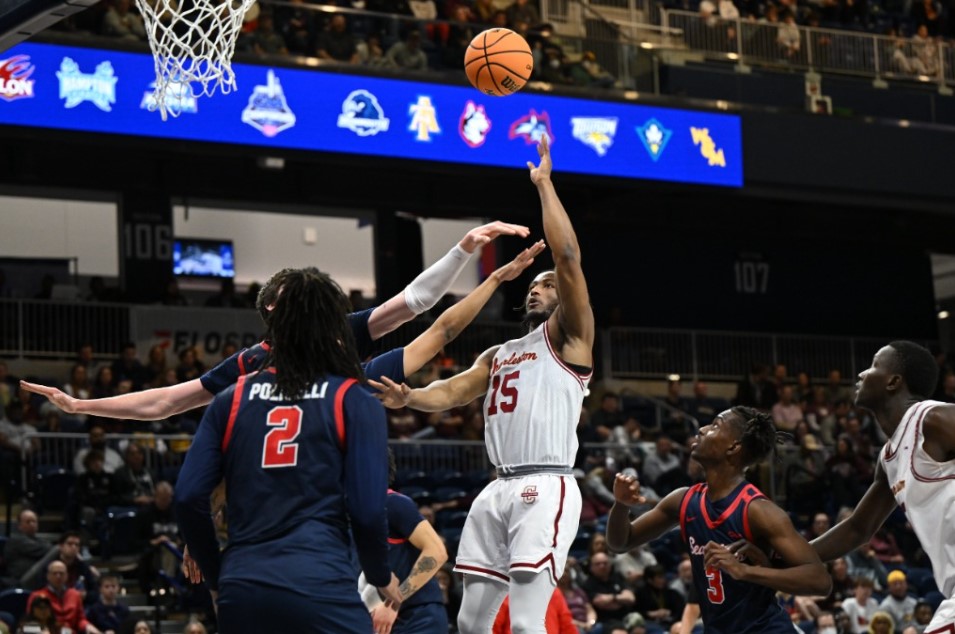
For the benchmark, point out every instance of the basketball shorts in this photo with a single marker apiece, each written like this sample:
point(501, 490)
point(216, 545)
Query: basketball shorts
point(524, 523)
point(944, 620)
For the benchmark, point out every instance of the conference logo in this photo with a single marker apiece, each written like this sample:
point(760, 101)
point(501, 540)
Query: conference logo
point(532, 127)
point(424, 119)
point(362, 114)
point(178, 98)
point(597, 133)
point(99, 88)
point(268, 112)
point(708, 150)
point(654, 138)
point(15, 82)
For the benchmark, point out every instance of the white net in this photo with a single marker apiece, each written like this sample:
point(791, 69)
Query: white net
point(192, 43)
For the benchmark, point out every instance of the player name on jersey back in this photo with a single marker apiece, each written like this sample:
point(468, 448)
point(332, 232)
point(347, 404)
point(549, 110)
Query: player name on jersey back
point(268, 392)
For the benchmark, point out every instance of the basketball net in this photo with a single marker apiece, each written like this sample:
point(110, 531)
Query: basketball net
point(192, 42)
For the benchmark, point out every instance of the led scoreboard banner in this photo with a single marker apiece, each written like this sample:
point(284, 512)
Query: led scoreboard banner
point(110, 92)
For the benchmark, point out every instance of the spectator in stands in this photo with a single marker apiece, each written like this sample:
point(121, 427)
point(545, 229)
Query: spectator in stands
point(590, 73)
point(297, 26)
point(656, 601)
point(843, 585)
point(15, 433)
point(8, 385)
point(662, 461)
point(97, 440)
point(886, 549)
point(899, 605)
point(683, 581)
point(882, 623)
point(628, 437)
point(610, 595)
point(756, 390)
point(861, 607)
point(94, 493)
point(66, 601)
point(581, 611)
point(819, 525)
point(522, 11)
point(847, 473)
point(803, 390)
point(402, 423)
point(863, 563)
point(786, 412)
point(194, 627)
point(335, 43)
point(484, 11)
point(370, 52)
point(703, 408)
point(24, 547)
point(407, 54)
point(553, 66)
point(926, 52)
point(156, 530)
point(103, 386)
point(607, 417)
point(189, 367)
point(632, 565)
point(128, 367)
point(121, 22)
point(84, 356)
point(108, 614)
point(265, 41)
point(460, 34)
point(788, 37)
point(155, 366)
point(133, 484)
point(836, 390)
point(923, 615)
point(39, 615)
point(674, 423)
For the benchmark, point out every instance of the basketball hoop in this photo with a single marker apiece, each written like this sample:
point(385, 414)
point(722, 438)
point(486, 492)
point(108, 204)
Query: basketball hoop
point(192, 43)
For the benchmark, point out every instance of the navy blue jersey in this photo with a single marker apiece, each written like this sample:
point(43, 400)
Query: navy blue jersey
point(727, 606)
point(295, 472)
point(228, 371)
point(403, 519)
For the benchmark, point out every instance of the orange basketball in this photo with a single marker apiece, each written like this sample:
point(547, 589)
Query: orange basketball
point(498, 62)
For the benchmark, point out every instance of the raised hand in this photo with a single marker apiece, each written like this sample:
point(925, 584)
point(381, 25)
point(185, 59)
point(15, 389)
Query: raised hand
point(479, 236)
point(391, 394)
point(626, 490)
point(58, 397)
point(542, 171)
point(524, 259)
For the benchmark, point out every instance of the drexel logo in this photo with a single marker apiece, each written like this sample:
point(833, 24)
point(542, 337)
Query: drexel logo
point(529, 495)
point(15, 82)
point(76, 87)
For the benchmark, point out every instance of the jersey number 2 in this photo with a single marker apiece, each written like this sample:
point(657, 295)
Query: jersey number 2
point(714, 585)
point(508, 393)
point(279, 449)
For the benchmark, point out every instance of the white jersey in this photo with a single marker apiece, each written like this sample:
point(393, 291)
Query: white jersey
point(925, 490)
point(532, 405)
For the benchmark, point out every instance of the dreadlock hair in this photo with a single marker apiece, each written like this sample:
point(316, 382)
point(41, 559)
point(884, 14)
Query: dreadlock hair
point(309, 332)
point(270, 292)
point(758, 434)
point(917, 367)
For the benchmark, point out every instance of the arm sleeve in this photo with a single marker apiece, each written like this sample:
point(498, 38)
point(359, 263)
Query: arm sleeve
point(426, 289)
point(390, 364)
point(359, 327)
point(366, 482)
point(201, 472)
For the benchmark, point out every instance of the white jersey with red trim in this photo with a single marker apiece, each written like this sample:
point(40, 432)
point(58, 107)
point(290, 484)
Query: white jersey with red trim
point(925, 490)
point(532, 405)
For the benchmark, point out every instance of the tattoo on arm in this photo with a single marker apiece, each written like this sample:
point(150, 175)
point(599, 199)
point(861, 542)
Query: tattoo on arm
point(425, 564)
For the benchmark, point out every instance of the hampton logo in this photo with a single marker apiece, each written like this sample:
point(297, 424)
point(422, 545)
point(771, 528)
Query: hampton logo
point(514, 359)
point(597, 133)
point(532, 127)
point(76, 87)
point(15, 82)
point(474, 124)
point(424, 119)
point(708, 149)
point(362, 114)
point(178, 99)
point(654, 137)
point(268, 112)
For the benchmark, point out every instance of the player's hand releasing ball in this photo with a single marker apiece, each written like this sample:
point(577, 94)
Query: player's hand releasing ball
point(542, 171)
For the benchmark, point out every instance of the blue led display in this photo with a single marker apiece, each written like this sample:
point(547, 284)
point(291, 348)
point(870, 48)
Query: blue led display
point(106, 91)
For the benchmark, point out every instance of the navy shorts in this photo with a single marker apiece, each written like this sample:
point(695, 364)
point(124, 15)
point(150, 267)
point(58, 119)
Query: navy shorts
point(250, 608)
point(425, 618)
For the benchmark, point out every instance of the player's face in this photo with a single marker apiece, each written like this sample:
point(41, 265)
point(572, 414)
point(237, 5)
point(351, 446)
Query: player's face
point(870, 389)
point(542, 295)
point(715, 439)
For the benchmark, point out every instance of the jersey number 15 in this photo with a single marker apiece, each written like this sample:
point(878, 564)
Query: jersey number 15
point(501, 387)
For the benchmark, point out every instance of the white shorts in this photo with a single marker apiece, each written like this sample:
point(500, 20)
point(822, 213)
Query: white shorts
point(944, 620)
point(524, 523)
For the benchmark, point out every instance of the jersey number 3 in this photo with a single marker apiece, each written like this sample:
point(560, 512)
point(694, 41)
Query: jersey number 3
point(508, 393)
point(714, 585)
point(279, 449)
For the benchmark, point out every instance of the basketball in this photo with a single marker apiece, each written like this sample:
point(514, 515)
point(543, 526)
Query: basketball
point(498, 62)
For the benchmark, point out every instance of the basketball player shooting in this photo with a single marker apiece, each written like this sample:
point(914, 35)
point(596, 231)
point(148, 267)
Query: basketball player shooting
point(517, 535)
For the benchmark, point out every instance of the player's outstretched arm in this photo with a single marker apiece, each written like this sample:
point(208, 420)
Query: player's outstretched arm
point(574, 317)
point(803, 574)
point(433, 556)
point(434, 282)
point(857, 529)
point(440, 395)
point(456, 318)
point(154, 404)
point(624, 535)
